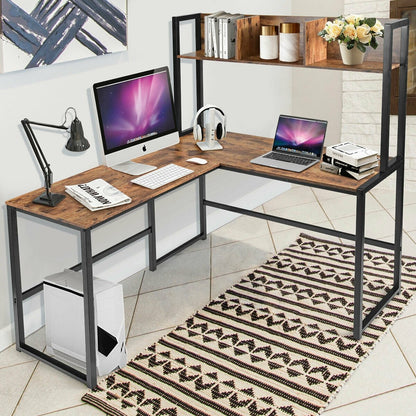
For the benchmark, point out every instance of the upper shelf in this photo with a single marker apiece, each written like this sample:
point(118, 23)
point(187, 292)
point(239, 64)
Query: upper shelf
point(315, 52)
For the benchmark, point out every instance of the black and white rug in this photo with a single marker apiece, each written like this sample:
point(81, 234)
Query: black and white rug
point(278, 343)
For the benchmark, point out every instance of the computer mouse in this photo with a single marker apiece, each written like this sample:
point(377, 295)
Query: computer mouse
point(197, 160)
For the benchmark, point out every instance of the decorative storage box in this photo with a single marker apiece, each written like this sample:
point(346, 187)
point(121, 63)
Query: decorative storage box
point(64, 321)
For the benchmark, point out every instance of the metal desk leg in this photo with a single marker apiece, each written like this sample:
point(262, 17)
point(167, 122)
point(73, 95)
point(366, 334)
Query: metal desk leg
point(16, 277)
point(359, 265)
point(398, 228)
point(152, 236)
point(89, 315)
point(202, 208)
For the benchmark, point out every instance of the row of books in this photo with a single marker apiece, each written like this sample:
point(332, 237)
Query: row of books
point(220, 34)
point(349, 159)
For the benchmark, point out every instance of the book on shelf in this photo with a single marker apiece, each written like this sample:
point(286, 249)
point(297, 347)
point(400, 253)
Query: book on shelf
point(347, 166)
point(352, 154)
point(220, 34)
point(228, 33)
point(97, 194)
point(209, 25)
point(330, 168)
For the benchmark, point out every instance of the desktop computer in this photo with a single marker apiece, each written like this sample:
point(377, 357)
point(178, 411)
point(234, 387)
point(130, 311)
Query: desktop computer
point(64, 321)
point(136, 115)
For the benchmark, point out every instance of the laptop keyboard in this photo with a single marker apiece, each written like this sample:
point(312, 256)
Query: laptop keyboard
point(284, 157)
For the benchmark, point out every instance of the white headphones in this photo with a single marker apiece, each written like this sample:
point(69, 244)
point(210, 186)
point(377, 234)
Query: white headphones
point(215, 130)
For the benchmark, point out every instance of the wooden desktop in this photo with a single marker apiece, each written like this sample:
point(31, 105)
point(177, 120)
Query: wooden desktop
point(238, 150)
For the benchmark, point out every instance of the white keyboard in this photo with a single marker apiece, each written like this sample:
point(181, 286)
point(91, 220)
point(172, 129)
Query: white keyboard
point(162, 176)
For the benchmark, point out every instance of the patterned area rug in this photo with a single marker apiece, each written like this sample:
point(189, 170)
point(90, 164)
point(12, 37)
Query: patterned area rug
point(278, 343)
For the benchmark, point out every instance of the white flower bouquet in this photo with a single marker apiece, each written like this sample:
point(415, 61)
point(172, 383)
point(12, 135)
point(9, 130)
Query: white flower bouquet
point(353, 30)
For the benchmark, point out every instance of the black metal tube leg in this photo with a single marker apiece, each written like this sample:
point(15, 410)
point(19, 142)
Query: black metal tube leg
point(16, 277)
point(89, 314)
point(202, 208)
point(398, 228)
point(359, 265)
point(401, 135)
point(152, 236)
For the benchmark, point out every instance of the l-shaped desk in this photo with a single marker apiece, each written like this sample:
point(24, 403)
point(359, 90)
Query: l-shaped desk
point(238, 150)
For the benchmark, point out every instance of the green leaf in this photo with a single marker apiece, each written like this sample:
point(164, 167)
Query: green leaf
point(370, 21)
point(373, 43)
point(322, 33)
point(350, 44)
point(360, 46)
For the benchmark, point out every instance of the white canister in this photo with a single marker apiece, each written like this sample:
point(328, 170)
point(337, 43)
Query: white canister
point(269, 42)
point(289, 42)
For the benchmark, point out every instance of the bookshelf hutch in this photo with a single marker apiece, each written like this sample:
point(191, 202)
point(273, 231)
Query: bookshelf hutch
point(391, 57)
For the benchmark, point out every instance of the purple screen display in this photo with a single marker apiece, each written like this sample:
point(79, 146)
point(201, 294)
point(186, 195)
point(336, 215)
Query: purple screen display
point(135, 110)
point(300, 134)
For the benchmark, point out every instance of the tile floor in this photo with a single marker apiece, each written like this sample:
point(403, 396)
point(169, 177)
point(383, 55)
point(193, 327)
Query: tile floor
point(384, 385)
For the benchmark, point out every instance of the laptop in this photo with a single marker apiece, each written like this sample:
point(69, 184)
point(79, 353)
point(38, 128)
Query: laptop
point(297, 144)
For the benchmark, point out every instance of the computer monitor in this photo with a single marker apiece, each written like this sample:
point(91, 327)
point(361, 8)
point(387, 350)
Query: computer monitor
point(137, 116)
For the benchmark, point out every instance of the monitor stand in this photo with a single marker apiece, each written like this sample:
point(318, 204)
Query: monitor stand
point(133, 168)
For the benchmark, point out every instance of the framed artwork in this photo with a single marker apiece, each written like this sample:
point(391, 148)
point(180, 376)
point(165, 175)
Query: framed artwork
point(43, 32)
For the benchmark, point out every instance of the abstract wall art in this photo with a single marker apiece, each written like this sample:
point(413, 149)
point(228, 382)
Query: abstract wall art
point(43, 32)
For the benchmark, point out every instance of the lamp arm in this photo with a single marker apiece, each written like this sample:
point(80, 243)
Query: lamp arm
point(37, 150)
point(36, 123)
point(76, 143)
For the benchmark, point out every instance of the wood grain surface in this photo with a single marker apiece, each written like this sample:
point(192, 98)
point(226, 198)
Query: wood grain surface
point(238, 150)
point(314, 51)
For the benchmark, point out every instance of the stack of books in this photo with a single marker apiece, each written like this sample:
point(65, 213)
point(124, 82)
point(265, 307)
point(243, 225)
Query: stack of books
point(349, 159)
point(220, 34)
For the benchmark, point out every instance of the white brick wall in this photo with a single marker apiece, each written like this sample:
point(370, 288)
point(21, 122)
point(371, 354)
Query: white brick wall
point(361, 102)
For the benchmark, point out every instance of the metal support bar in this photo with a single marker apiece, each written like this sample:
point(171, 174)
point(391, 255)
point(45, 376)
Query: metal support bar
point(199, 65)
point(32, 291)
point(359, 265)
point(114, 248)
point(177, 82)
point(386, 90)
point(298, 224)
point(374, 312)
point(398, 226)
point(39, 355)
point(16, 277)
point(89, 314)
point(202, 208)
point(179, 249)
point(151, 219)
point(401, 127)
point(401, 134)
point(392, 166)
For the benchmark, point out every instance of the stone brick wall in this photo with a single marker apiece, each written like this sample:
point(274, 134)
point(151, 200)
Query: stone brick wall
point(361, 102)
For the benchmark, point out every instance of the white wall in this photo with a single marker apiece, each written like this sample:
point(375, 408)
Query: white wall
point(247, 94)
point(317, 93)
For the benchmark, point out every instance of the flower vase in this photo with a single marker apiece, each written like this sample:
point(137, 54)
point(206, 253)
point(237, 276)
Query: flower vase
point(351, 56)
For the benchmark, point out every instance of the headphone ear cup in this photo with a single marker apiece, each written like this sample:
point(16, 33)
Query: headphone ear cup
point(198, 133)
point(219, 131)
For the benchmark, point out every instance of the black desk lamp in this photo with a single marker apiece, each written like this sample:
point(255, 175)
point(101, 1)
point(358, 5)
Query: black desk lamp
point(76, 143)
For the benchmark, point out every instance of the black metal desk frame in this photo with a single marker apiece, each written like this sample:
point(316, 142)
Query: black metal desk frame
point(388, 165)
point(86, 267)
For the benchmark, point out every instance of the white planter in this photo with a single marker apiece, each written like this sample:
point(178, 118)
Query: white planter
point(351, 56)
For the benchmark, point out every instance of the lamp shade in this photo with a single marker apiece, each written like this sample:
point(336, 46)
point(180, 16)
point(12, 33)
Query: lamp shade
point(77, 142)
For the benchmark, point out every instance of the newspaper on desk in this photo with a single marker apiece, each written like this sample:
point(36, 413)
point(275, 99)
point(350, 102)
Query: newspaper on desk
point(97, 194)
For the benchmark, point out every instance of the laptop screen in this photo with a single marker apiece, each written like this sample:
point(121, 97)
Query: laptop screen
point(299, 134)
